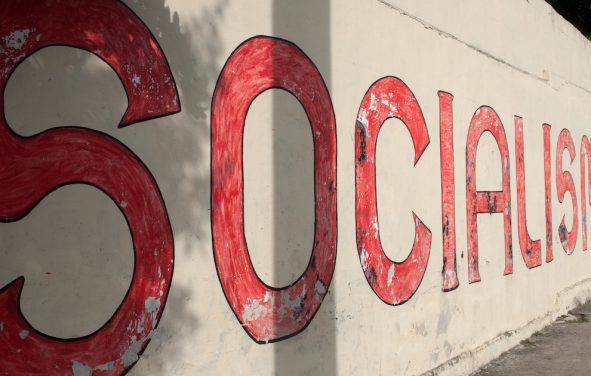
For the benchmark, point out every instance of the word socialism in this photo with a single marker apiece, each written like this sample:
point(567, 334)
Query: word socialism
point(33, 167)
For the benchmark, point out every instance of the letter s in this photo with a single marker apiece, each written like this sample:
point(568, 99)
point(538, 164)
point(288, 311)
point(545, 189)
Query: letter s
point(32, 167)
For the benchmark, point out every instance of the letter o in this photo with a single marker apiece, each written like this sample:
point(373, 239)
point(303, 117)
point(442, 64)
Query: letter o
point(270, 314)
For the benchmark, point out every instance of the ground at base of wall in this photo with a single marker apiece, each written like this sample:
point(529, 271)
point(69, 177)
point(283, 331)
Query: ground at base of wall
point(558, 349)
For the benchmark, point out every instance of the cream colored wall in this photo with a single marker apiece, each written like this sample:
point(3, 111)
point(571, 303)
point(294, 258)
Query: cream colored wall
point(516, 56)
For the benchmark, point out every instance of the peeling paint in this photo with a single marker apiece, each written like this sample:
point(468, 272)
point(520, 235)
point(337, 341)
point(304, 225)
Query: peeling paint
point(448, 202)
point(72, 155)
point(269, 298)
point(585, 155)
point(396, 100)
point(105, 367)
point(269, 62)
point(373, 102)
point(320, 288)
point(362, 118)
point(140, 325)
point(547, 192)
point(136, 80)
point(530, 249)
point(17, 38)
point(391, 272)
point(131, 355)
point(253, 311)
point(376, 228)
point(364, 259)
point(362, 143)
point(486, 120)
point(392, 109)
point(152, 306)
point(80, 369)
point(292, 306)
point(565, 183)
point(452, 277)
point(23, 334)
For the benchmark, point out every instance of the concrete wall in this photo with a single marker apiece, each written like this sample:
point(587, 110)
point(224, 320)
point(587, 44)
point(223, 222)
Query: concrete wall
point(75, 248)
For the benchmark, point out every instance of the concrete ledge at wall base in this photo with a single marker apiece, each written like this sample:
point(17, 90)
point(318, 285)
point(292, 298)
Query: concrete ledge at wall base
point(510, 65)
point(472, 360)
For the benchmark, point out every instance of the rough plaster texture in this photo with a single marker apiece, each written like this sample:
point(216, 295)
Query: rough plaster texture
point(543, 353)
point(518, 57)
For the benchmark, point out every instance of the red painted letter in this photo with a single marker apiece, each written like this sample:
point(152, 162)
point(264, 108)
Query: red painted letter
point(448, 200)
point(548, 192)
point(33, 167)
point(392, 282)
point(486, 120)
point(564, 183)
point(585, 155)
point(270, 314)
point(530, 250)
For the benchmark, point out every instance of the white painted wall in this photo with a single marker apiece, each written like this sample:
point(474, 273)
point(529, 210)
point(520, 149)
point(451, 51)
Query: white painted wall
point(516, 56)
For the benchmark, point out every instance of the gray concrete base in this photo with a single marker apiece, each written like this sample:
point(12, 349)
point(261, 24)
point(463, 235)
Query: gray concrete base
point(559, 349)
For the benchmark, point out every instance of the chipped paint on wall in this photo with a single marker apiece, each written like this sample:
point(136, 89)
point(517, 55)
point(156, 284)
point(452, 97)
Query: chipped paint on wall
point(530, 249)
point(393, 282)
point(565, 183)
point(261, 63)
point(34, 167)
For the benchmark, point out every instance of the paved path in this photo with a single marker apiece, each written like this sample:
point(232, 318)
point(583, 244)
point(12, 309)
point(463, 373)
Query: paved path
point(563, 348)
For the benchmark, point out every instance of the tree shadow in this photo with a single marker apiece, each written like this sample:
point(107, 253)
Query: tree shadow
point(76, 278)
point(58, 251)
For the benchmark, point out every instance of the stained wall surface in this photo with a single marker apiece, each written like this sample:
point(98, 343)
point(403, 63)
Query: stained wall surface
point(357, 312)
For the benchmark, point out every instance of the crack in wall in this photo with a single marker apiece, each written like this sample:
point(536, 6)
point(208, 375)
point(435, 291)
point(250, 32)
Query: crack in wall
point(446, 34)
